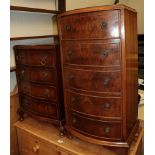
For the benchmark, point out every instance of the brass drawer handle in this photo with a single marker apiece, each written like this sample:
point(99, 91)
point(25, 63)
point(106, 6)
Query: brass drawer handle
point(104, 54)
point(106, 81)
point(107, 130)
point(70, 52)
point(22, 75)
point(20, 57)
point(73, 99)
point(25, 102)
point(35, 148)
point(43, 60)
point(46, 92)
point(107, 105)
point(44, 75)
point(74, 120)
point(69, 55)
point(71, 77)
point(67, 27)
point(103, 25)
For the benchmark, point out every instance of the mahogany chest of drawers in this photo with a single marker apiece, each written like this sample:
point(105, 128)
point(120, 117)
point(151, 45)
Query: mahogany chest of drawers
point(39, 82)
point(100, 73)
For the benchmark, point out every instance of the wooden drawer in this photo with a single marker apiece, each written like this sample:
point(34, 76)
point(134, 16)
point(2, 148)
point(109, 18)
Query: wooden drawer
point(38, 58)
point(46, 109)
point(92, 81)
point(101, 107)
point(30, 144)
point(94, 127)
point(101, 24)
point(37, 75)
point(91, 53)
point(39, 91)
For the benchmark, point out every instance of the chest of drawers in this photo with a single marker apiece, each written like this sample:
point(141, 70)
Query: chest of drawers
point(100, 73)
point(39, 82)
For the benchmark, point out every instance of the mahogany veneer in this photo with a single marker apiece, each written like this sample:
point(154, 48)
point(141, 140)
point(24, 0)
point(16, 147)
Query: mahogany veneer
point(100, 74)
point(38, 73)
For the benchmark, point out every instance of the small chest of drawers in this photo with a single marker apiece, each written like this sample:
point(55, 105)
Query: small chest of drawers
point(39, 81)
point(99, 65)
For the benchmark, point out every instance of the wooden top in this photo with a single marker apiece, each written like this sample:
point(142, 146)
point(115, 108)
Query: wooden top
point(97, 8)
point(44, 46)
point(50, 133)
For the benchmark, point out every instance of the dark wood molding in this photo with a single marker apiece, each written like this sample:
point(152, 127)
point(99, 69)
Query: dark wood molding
point(28, 9)
point(62, 5)
point(33, 37)
point(12, 69)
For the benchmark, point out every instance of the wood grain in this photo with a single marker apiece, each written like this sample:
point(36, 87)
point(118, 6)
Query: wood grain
point(48, 136)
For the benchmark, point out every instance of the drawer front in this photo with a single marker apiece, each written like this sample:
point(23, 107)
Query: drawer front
point(39, 91)
point(92, 81)
point(39, 107)
point(30, 144)
point(37, 75)
point(94, 127)
point(105, 107)
point(36, 58)
point(91, 54)
point(103, 24)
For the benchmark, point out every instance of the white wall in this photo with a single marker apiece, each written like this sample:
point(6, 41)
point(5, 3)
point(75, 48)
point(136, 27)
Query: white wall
point(139, 6)
point(76, 4)
point(44, 4)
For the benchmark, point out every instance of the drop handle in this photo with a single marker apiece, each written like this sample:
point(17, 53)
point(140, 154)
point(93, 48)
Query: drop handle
point(73, 99)
point(35, 148)
point(44, 75)
point(71, 77)
point(43, 60)
point(25, 102)
point(106, 81)
point(22, 74)
point(67, 27)
point(69, 55)
point(107, 130)
point(46, 93)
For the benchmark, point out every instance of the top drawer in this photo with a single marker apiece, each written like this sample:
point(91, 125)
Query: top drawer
point(36, 58)
point(103, 24)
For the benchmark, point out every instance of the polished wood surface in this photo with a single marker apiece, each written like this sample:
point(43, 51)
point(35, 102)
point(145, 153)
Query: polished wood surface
point(39, 81)
point(99, 59)
point(91, 53)
point(80, 26)
point(99, 107)
point(47, 137)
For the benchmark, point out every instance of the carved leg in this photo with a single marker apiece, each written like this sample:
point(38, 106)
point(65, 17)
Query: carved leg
point(62, 130)
point(21, 114)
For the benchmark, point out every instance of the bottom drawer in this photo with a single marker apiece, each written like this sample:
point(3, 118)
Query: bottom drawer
point(94, 128)
point(39, 107)
point(30, 144)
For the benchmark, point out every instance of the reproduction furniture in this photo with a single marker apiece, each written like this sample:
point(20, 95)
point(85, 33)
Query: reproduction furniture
point(39, 138)
point(38, 72)
point(100, 74)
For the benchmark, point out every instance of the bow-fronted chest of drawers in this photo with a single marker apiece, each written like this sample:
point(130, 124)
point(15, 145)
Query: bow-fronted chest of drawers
point(100, 72)
point(38, 71)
